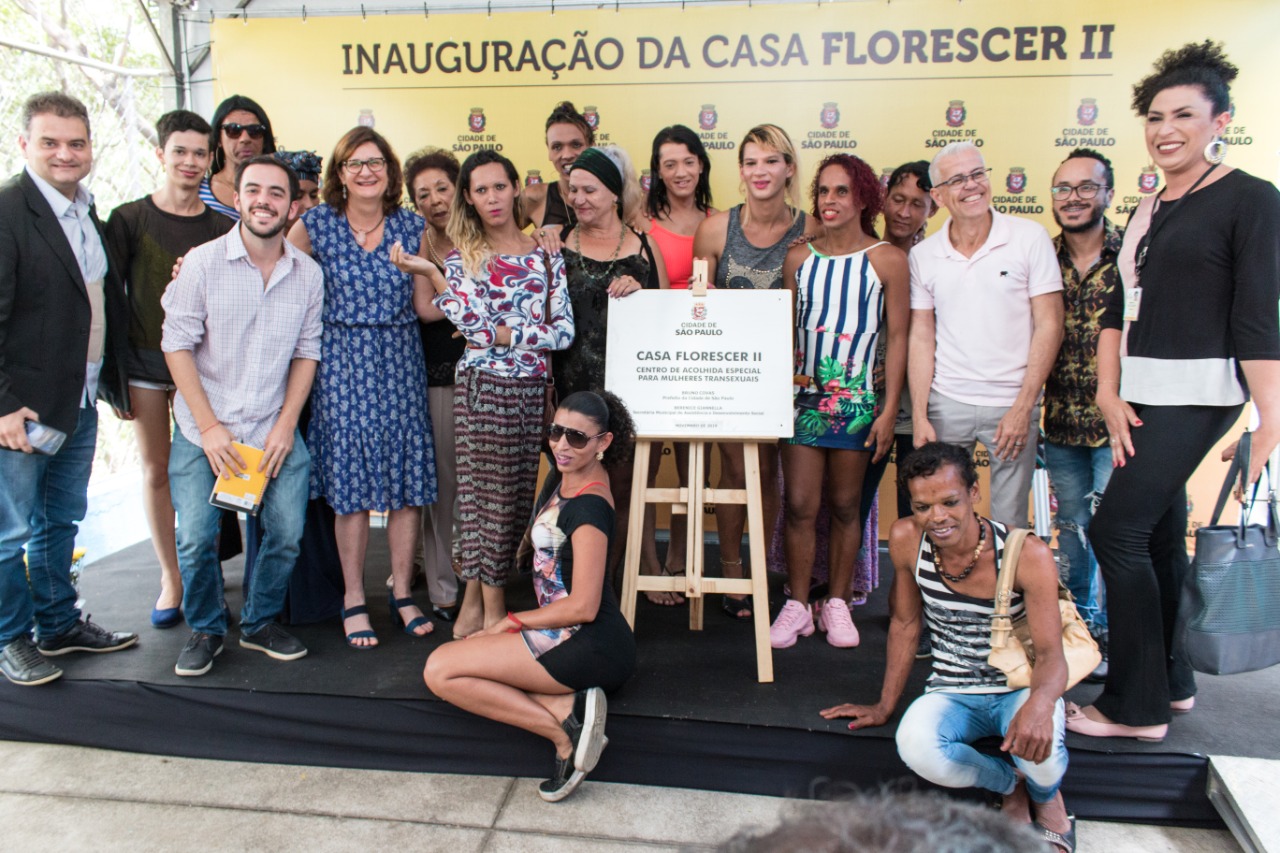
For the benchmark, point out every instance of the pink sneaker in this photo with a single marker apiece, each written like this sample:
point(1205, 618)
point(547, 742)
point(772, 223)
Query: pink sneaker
point(794, 620)
point(838, 623)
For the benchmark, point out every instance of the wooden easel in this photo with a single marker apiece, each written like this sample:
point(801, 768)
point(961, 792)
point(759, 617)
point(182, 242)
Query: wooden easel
point(690, 501)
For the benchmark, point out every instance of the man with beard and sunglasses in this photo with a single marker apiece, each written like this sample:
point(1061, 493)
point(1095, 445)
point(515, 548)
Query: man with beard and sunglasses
point(241, 130)
point(1076, 449)
point(242, 342)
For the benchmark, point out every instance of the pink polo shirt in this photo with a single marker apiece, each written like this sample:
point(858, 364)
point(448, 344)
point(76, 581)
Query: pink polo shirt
point(982, 306)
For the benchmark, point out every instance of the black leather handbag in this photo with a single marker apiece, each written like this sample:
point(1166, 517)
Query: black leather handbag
point(1229, 614)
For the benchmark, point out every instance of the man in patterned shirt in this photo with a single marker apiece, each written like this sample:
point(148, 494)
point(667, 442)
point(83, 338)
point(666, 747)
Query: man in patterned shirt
point(242, 342)
point(1076, 451)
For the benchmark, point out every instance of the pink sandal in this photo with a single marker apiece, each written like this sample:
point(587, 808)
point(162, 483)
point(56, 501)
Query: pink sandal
point(1082, 724)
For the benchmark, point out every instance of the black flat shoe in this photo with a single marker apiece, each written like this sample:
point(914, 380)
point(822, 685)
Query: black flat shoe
point(445, 614)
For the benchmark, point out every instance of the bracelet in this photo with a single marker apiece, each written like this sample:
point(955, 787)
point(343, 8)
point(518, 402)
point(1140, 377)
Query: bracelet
point(210, 426)
point(519, 625)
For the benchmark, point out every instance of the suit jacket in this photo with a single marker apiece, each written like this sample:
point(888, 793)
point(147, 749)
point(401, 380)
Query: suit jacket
point(45, 314)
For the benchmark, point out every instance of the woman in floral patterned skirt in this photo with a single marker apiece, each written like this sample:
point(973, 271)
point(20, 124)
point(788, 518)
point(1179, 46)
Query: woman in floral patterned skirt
point(848, 288)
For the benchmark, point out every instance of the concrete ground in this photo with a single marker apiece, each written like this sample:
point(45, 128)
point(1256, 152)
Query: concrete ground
point(58, 798)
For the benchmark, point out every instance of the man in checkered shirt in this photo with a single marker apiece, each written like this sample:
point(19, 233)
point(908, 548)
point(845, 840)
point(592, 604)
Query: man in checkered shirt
point(242, 341)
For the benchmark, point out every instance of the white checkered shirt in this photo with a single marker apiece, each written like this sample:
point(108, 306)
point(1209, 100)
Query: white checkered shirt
point(243, 336)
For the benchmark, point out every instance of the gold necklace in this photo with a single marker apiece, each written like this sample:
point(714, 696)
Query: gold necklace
point(613, 259)
point(432, 254)
point(362, 234)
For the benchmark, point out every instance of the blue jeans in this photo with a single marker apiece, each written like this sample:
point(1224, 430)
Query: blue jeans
point(284, 508)
point(935, 733)
point(1080, 476)
point(42, 499)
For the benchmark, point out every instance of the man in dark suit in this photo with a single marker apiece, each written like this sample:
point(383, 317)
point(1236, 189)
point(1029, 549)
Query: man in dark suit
point(63, 326)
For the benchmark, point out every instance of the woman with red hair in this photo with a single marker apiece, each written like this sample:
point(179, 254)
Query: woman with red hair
point(849, 288)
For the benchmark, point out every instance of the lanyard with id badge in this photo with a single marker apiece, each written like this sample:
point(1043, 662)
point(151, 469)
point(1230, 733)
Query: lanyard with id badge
point(1133, 295)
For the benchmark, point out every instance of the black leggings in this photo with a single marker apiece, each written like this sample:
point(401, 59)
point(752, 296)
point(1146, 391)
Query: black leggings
point(1138, 536)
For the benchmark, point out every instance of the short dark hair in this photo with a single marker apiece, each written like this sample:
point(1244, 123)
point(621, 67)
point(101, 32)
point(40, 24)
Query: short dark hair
point(919, 168)
point(295, 191)
point(1204, 65)
point(226, 108)
point(350, 141)
point(429, 158)
point(608, 413)
point(56, 103)
point(180, 121)
point(657, 203)
point(1090, 154)
point(925, 461)
point(566, 113)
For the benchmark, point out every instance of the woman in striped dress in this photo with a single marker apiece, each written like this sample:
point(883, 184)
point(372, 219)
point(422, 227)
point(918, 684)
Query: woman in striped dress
point(849, 288)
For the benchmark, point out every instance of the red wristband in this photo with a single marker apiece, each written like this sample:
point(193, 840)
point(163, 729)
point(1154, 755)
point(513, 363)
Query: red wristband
point(210, 426)
point(519, 624)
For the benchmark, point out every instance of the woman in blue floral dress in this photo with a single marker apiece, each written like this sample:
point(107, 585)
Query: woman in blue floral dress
point(370, 435)
point(849, 289)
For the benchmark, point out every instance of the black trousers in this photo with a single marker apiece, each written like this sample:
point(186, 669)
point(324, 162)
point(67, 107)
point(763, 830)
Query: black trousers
point(1139, 537)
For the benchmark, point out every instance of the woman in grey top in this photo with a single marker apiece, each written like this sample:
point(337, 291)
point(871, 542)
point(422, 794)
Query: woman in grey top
point(745, 247)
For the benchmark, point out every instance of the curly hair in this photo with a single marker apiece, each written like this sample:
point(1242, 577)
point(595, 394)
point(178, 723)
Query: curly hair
point(1204, 65)
point(865, 185)
point(347, 145)
point(926, 460)
point(430, 158)
point(607, 411)
point(566, 113)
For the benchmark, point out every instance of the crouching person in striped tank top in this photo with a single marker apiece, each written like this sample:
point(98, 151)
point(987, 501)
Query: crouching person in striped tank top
point(946, 559)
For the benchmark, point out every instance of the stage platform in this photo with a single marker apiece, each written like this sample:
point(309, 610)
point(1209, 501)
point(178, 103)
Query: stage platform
point(693, 715)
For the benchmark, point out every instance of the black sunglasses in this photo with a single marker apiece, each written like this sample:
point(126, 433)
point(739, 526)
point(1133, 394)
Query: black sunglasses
point(255, 131)
point(577, 438)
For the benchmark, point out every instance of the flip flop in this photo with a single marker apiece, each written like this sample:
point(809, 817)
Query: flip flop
point(1082, 724)
point(1067, 842)
point(742, 609)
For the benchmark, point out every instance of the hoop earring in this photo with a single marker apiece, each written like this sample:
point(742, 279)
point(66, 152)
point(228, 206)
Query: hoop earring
point(1216, 151)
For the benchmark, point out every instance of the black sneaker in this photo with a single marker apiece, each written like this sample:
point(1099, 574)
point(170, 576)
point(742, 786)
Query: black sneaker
point(585, 728)
point(274, 641)
point(22, 664)
point(85, 636)
point(198, 654)
point(563, 782)
point(924, 650)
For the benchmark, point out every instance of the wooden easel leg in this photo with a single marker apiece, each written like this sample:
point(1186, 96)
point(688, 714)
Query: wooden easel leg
point(696, 560)
point(759, 569)
point(635, 532)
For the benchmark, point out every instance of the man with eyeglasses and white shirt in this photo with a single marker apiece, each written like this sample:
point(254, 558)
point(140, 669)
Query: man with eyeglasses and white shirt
point(986, 323)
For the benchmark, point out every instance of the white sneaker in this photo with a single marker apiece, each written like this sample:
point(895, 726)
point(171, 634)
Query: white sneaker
point(794, 620)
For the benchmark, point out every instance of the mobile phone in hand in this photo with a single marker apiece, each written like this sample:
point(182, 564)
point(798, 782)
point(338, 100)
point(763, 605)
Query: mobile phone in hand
point(44, 439)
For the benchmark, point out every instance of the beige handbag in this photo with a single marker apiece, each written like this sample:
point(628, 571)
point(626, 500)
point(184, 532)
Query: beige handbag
point(1012, 651)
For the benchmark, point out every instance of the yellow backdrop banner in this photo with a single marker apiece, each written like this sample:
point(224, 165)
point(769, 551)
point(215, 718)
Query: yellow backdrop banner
point(1026, 81)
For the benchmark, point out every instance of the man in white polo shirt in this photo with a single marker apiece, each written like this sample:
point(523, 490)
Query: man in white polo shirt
point(986, 322)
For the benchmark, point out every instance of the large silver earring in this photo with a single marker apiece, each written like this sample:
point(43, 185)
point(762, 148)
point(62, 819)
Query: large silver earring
point(1216, 151)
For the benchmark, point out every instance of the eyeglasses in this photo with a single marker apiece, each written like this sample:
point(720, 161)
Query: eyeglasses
point(577, 438)
point(255, 131)
point(1062, 192)
point(978, 176)
point(375, 164)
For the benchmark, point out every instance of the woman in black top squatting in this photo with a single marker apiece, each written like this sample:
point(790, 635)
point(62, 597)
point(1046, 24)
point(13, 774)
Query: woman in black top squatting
point(546, 670)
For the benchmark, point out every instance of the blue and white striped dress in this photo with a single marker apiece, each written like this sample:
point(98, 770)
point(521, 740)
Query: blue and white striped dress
point(960, 627)
point(839, 313)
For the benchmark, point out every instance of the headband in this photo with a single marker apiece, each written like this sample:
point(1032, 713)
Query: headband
point(598, 163)
point(305, 164)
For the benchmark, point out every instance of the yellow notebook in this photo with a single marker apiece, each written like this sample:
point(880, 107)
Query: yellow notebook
point(242, 492)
